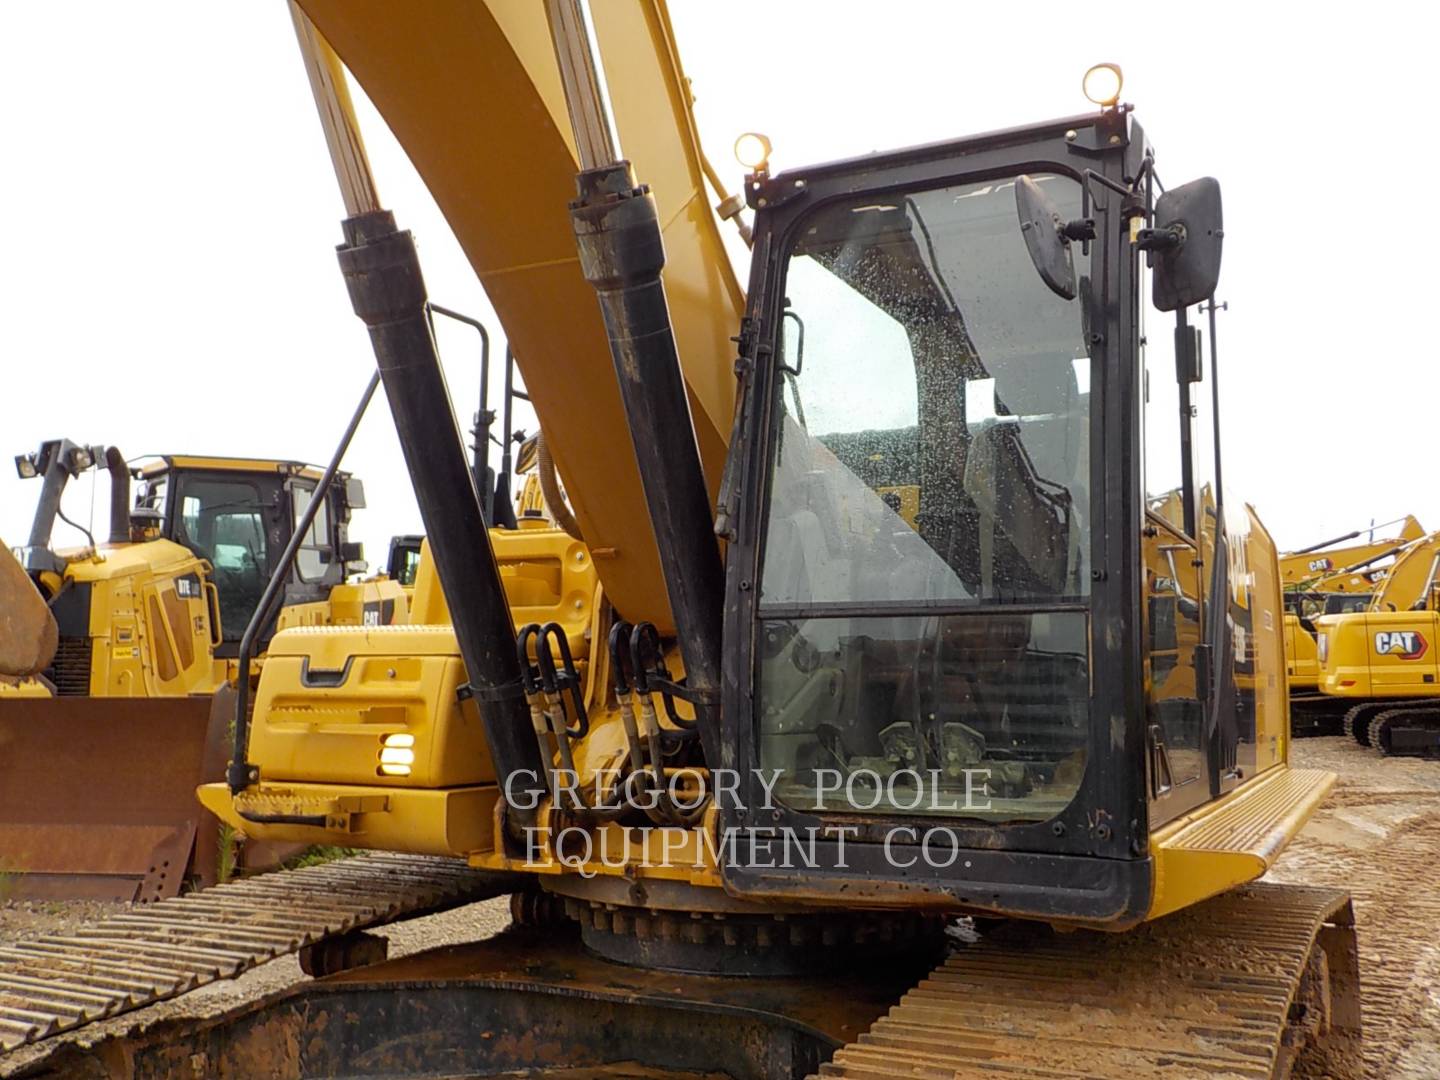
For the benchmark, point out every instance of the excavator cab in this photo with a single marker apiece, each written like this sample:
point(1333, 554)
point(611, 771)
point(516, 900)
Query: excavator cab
point(965, 702)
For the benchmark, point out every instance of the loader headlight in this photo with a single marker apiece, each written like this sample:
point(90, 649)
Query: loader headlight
point(1322, 648)
point(397, 754)
point(1102, 84)
point(25, 466)
point(753, 151)
point(81, 459)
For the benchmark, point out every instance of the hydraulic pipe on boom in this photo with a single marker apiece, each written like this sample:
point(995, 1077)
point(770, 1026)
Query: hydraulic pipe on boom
point(1326, 543)
point(622, 254)
point(382, 275)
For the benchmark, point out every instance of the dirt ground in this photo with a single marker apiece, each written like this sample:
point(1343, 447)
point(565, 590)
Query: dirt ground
point(1378, 836)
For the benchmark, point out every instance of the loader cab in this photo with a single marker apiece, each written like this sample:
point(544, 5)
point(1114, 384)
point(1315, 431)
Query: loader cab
point(962, 652)
point(239, 514)
point(403, 563)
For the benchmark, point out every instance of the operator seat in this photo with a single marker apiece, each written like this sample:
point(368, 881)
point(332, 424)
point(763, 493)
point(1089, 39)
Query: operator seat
point(1026, 474)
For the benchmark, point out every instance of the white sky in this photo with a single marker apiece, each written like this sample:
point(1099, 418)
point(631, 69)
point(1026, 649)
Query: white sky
point(169, 280)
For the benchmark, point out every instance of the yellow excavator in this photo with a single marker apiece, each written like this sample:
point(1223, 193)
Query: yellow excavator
point(882, 630)
point(157, 610)
point(1380, 664)
point(1305, 566)
point(1326, 580)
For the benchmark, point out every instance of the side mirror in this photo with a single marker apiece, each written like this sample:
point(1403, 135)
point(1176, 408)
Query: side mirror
point(352, 551)
point(355, 493)
point(1185, 244)
point(1045, 238)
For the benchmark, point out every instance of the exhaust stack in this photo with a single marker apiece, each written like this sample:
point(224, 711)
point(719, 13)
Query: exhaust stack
point(119, 496)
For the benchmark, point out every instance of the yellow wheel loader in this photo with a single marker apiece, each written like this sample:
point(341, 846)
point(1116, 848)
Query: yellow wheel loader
point(883, 632)
point(155, 611)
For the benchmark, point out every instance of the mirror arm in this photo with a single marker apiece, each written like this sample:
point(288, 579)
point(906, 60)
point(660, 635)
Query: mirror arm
point(1211, 308)
point(1186, 353)
point(1170, 238)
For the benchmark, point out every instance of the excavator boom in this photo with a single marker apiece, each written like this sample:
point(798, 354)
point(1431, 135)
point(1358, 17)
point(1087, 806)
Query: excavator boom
point(503, 177)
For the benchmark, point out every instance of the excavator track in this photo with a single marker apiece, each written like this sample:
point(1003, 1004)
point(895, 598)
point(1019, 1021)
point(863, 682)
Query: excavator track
point(165, 949)
point(1360, 718)
point(1234, 987)
point(1412, 730)
point(1356, 724)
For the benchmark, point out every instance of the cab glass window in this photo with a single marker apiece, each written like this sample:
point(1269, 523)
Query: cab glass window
point(223, 520)
point(930, 454)
point(315, 554)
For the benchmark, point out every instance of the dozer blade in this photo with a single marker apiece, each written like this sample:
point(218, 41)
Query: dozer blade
point(28, 636)
point(97, 796)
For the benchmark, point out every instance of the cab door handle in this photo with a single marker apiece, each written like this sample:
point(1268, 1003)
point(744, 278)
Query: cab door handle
point(212, 600)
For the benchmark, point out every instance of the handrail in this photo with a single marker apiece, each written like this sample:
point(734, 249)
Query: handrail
point(484, 419)
point(239, 774)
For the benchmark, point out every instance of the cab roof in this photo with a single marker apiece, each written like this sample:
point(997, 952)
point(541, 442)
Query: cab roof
point(157, 464)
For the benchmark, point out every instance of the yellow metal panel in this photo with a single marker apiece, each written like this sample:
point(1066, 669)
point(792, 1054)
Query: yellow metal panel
point(1381, 654)
point(229, 464)
point(359, 603)
point(470, 91)
point(456, 821)
point(137, 621)
point(1234, 839)
point(548, 576)
point(1410, 575)
point(1265, 642)
point(337, 734)
point(1302, 663)
point(22, 688)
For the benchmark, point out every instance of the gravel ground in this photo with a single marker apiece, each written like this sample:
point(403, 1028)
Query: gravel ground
point(36, 918)
point(1378, 836)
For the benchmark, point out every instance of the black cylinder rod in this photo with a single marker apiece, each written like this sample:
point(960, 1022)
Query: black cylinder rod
point(387, 290)
point(622, 254)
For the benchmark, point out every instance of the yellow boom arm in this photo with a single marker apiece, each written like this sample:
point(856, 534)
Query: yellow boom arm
point(472, 91)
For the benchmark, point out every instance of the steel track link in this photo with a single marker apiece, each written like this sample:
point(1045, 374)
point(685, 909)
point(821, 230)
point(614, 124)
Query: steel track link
point(1210, 991)
point(158, 951)
point(1359, 718)
point(1379, 732)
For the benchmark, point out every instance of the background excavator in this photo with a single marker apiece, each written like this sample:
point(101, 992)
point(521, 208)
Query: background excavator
point(871, 625)
point(1323, 579)
point(1381, 664)
point(155, 611)
point(1304, 566)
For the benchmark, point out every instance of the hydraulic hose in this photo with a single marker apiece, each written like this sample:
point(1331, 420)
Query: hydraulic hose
point(550, 487)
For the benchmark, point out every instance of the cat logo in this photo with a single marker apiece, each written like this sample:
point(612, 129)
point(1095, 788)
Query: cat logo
point(1404, 644)
point(1320, 564)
